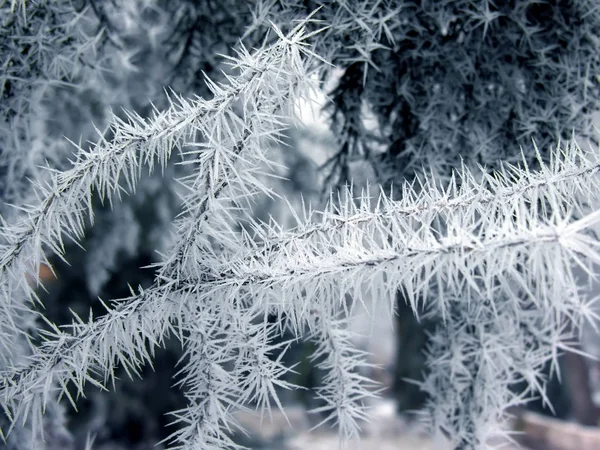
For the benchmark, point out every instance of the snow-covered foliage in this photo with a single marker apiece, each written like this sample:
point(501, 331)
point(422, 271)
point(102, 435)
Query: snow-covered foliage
point(452, 79)
point(42, 45)
point(492, 253)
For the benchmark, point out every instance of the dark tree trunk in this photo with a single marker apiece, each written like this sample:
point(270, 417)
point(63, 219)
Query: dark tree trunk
point(577, 383)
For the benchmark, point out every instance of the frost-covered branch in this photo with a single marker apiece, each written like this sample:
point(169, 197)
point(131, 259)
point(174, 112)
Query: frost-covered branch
point(345, 390)
point(211, 389)
point(570, 172)
point(493, 248)
point(459, 252)
point(90, 351)
point(475, 356)
point(110, 163)
point(269, 79)
point(230, 158)
point(455, 238)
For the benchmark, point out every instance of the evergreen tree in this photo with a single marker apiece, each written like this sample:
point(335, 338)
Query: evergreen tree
point(466, 112)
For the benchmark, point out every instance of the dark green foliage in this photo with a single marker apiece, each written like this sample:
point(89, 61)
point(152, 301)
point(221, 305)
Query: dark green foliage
point(452, 79)
point(199, 33)
point(486, 81)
